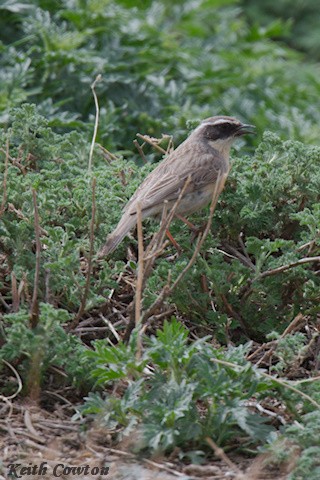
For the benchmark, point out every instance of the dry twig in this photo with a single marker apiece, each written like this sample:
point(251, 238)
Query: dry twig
point(110, 326)
point(96, 122)
point(221, 454)
point(16, 374)
point(247, 290)
point(34, 311)
point(140, 267)
point(269, 377)
point(271, 346)
point(21, 216)
point(154, 249)
point(82, 307)
point(140, 150)
point(5, 178)
point(140, 279)
point(108, 155)
point(152, 142)
point(283, 268)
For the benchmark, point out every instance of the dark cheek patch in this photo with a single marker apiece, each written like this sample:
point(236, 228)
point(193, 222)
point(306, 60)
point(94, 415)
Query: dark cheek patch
point(211, 133)
point(214, 132)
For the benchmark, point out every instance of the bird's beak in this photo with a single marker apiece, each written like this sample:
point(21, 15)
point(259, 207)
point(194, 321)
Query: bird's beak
point(245, 129)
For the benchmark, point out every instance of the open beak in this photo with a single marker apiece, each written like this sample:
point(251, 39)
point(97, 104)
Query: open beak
point(245, 129)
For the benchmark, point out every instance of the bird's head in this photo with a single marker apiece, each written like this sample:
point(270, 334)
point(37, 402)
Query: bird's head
point(220, 132)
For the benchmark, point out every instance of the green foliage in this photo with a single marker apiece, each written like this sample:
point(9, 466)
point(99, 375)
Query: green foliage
point(56, 166)
point(162, 64)
point(165, 65)
point(275, 222)
point(289, 349)
point(48, 343)
point(300, 441)
point(121, 361)
point(300, 18)
point(185, 397)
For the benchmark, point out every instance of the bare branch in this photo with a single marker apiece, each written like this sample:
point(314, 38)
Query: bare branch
point(221, 454)
point(5, 178)
point(140, 267)
point(151, 142)
point(283, 268)
point(140, 150)
point(108, 155)
point(96, 122)
point(34, 312)
point(247, 289)
point(140, 280)
point(16, 374)
point(21, 216)
point(82, 307)
point(234, 253)
point(234, 314)
point(285, 384)
point(154, 249)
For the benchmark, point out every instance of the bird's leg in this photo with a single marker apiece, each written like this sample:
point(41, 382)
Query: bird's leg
point(186, 221)
point(174, 242)
point(195, 230)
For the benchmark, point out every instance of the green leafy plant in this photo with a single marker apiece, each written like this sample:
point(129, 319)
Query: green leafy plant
point(299, 444)
point(301, 20)
point(164, 67)
point(34, 351)
point(198, 61)
point(176, 391)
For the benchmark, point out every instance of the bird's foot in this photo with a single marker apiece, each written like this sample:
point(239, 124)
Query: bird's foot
point(197, 231)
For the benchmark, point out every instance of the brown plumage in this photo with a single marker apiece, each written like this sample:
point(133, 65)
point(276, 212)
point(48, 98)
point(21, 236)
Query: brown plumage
point(201, 157)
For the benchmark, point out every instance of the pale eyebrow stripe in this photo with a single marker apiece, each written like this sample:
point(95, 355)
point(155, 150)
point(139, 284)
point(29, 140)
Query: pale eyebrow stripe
point(218, 122)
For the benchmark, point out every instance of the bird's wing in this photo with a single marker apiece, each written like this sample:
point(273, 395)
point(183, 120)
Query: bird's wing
point(166, 182)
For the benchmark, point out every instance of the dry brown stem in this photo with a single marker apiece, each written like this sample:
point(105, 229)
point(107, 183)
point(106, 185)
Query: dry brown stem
point(283, 268)
point(140, 150)
point(140, 274)
point(155, 249)
point(5, 178)
point(247, 290)
point(34, 311)
point(16, 374)
point(96, 122)
point(269, 377)
point(152, 141)
point(221, 454)
point(107, 155)
point(270, 347)
point(82, 307)
point(140, 278)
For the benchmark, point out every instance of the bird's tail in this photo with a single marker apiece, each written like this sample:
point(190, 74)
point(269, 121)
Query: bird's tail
point(126, 223)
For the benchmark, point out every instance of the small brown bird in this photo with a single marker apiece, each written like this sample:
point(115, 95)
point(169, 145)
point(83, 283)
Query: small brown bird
point(200, 158)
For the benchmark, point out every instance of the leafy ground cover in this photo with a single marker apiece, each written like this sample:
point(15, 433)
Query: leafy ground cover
point(228, 356)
